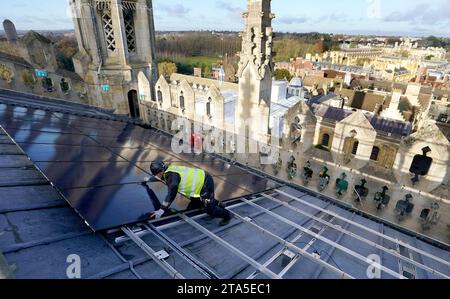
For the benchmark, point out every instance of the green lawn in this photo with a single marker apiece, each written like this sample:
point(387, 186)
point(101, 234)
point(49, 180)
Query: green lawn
point(199, 60)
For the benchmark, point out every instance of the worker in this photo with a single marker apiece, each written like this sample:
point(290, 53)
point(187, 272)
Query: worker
point(195, 184)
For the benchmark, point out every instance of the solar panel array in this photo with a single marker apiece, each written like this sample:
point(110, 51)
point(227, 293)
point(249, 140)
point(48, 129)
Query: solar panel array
point(98, 164)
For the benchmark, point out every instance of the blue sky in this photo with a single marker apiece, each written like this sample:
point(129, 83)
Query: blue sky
point(407, 17)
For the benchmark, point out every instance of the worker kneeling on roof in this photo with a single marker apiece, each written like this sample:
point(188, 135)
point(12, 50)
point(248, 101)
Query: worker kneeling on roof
point(195, 184)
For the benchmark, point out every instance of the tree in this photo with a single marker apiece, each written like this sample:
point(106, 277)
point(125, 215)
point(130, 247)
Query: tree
point(28, 79)
point(435, 41)
point(429, 57)
point(66, 49)
point(404, 53)
point(184, 68)
point(6, 47)
point(356, 84)
point(207, 72)
point(6, 73)
point(166, 69)
point(362, 61)
point(282, 74)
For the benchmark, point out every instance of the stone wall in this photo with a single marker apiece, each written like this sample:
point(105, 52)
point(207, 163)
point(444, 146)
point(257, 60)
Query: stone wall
point(76, 87)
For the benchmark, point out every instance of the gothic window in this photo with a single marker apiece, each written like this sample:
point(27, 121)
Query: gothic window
point(375, 153)
point(355, 148)
point(208, 107)
point(129, 30)
point(326, 140)
point(182, 101)
point(173, 101)
point(108, 30)
point(160, 97)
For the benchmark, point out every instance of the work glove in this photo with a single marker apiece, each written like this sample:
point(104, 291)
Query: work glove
point(158, 214)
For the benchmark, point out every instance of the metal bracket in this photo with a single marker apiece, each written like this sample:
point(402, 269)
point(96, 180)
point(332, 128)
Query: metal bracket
point(162, 255)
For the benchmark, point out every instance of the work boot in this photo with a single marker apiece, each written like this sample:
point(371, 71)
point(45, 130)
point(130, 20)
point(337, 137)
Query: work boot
point(225, 221)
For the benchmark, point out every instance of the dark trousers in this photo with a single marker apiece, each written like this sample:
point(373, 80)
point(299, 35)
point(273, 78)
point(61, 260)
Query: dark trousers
point(208, 202)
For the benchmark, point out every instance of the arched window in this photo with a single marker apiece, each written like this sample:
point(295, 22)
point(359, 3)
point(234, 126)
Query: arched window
point(174, 101)
point(108, 30)
point(326, 140)
point(375, 153)
point(208, 107)
point(355, 148)
point(128, 18)
point(160, 96)
point(182, 101)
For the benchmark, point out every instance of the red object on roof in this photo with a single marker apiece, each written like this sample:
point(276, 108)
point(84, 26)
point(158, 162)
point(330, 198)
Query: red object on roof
point(196, 142)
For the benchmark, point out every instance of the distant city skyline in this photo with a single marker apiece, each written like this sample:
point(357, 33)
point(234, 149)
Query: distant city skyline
point(369, 17)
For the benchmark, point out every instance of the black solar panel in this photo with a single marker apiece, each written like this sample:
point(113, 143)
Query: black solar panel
point(98, 165)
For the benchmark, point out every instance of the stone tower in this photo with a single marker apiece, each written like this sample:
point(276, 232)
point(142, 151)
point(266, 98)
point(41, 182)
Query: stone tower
point(10, 31)
point(255, 72)
point(116, 55)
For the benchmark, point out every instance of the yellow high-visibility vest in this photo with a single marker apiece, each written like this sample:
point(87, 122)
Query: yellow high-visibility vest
point(192, 180)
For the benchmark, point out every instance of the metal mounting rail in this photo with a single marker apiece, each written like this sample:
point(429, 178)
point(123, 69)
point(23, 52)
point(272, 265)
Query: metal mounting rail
point(203, 269)
point(396, 241)
point(279, 253)
point(330, 254)
point(329, 242)
point(147, 249)
point(142, 233)
point(297, 249)
point(230, 247)
point(357, 237)
point(309, 245)
point(167, 226)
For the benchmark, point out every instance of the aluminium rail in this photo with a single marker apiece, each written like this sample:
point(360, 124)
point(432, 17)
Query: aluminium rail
point(147, 249)
point(308, 246)
point(293, 247)
point(176, 223)
point(280, 253)
point(230, 247)
point(357, 237)
point(178, 247)
point(329, 242)
point(203, 269)
point(330, 254)
point(395, 241)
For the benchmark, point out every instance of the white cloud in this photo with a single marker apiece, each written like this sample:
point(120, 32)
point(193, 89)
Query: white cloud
point(422, 13)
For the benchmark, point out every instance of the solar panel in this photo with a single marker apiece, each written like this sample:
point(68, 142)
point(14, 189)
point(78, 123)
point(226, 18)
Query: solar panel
point(98, 164)
point(68, 153)
point(39, 137)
